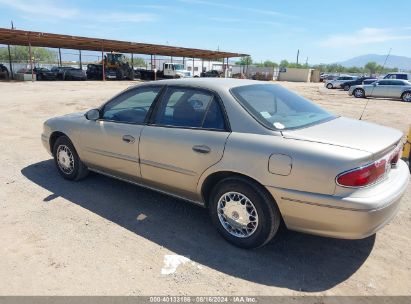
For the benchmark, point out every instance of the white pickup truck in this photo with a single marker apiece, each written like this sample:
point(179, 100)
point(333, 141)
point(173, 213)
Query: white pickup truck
point(175, 70)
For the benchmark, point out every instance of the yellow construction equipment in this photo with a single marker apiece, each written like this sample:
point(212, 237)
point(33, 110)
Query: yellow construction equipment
point(406, 152)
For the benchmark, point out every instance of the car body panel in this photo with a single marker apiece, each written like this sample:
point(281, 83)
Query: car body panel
point(162, 158)
point(168, 158)
point(377, 89)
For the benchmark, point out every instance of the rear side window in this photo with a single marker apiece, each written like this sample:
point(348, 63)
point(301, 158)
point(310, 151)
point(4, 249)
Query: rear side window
point(277, 108)
point(190, 107)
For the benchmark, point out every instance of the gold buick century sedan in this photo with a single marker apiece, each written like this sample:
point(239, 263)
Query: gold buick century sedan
point(253, 153)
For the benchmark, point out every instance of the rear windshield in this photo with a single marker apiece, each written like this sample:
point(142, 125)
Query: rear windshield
point(278, 108)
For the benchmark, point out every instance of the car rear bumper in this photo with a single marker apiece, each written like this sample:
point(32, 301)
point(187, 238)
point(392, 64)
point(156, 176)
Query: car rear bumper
point(343, 217)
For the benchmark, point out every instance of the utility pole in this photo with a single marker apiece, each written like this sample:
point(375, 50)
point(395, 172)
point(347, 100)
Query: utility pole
point(298, 54)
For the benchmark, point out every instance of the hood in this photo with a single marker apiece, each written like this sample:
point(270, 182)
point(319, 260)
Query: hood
point(350, 133)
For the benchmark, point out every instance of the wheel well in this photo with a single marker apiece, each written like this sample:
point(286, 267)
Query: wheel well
point(53, 138)
point(216, 177)
point(402, 94)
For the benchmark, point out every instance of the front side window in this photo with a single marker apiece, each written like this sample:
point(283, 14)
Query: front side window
point(132, 106)
point(278, 108)
point(189, 107)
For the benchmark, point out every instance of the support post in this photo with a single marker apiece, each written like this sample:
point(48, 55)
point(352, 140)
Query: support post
point(184, 61)
point(227, 68)
point(171, 59)
point(60, 57)
point(132, 61)
point(79, 55)
point(10, 63)
point(102, 60)
point(202, 66)
point(31, 61)
point(193, 66)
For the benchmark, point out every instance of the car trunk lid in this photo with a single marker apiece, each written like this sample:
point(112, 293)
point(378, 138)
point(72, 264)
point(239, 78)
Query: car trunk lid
point(350, 133)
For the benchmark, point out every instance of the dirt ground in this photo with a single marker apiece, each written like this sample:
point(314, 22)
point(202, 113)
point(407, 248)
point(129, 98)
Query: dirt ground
point(105, 237)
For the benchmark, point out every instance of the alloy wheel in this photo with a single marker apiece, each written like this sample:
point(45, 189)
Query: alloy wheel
point(65, 159)
point(237, 214)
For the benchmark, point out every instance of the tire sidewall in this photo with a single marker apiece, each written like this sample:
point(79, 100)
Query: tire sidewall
point(266, 220)
point(63, 140)
point(359, 90)
point(403, 96)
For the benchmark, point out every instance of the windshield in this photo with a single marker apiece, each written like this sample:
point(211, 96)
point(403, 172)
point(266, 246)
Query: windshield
point(278, 108)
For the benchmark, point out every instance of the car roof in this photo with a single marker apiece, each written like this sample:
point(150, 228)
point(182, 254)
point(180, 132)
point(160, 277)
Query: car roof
point(216, 84)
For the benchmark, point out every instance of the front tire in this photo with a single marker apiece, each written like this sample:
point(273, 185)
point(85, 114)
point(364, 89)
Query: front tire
point(243, 213)
point(329, 86)
point(67, 161)
point(346, 87)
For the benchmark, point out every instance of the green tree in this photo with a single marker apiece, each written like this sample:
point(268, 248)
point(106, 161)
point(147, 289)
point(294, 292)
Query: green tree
point(21, 53)
point(284, 63)
point(271, 64)
point(247, 60)
point(372, 67)
point(137, 61)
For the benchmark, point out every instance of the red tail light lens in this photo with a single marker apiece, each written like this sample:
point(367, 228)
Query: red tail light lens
point(363, 176)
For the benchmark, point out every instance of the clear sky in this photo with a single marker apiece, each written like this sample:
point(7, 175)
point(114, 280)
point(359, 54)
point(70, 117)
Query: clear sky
point(324, 31)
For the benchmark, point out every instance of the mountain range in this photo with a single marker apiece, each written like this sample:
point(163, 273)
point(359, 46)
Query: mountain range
point(393, 61)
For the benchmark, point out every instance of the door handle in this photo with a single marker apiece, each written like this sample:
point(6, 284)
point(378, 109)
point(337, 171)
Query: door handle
point(129, 139)
point(201, 149)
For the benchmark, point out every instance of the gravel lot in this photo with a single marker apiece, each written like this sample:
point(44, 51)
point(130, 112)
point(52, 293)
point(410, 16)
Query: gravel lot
point(105, 237)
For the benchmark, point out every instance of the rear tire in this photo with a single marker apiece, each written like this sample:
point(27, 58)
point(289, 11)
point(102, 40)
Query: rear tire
point(359, 93)
point(243, 212)
point(346, 88)
point(406, 96)
point(67, 161)
point(329, 86)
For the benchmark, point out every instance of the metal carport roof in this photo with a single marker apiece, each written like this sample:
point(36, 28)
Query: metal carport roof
point(20, 37)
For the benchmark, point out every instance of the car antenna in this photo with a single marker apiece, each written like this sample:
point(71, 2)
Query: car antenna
point(382, 69)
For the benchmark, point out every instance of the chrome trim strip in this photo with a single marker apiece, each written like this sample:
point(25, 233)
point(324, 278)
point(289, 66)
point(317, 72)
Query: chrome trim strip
point(167, 167)
point(322, 205)
point(111, 154)
point(198, 203)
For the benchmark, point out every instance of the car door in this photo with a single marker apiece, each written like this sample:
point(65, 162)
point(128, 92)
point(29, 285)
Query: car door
point(397, 88)
point(186, 135)
point(110, 144)
point(380, 89)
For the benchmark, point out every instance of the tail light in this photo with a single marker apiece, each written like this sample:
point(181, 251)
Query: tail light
point(363, 176)
point(369, 174)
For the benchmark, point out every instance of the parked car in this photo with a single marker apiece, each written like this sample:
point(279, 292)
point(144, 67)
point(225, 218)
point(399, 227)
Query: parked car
point(44, 74)
point(403, 76)
point(69, 73)
point(211, 73)
point(389, 88)
point(362, 80)
point(336, 83)
point(4, 72)
point(324, 77)
point(94, 71)
point(254, 154)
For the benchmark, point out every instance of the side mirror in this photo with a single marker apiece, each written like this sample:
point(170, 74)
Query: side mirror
point(93, 114)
